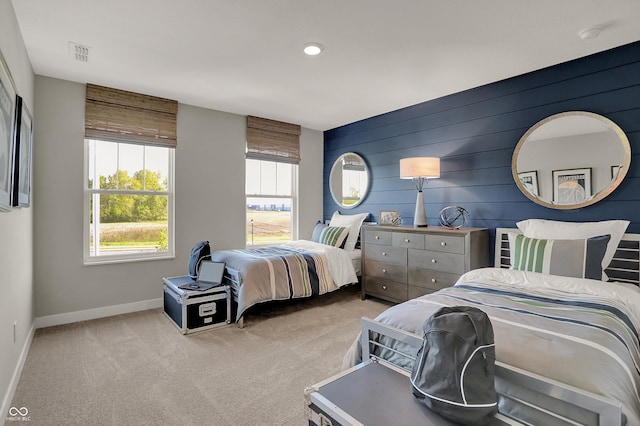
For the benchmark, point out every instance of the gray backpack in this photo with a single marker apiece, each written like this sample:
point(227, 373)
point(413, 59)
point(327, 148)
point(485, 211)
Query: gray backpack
point(454, 372)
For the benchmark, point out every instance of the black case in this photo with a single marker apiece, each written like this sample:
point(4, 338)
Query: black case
point(192, 310)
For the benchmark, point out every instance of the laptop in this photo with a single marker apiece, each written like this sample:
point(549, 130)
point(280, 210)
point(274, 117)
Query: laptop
point(209, 276)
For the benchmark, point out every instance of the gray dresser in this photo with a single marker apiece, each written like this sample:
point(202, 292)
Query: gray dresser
point(403, 262)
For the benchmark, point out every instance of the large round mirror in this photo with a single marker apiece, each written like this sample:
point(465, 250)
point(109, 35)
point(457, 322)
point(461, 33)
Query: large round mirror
point(571, 160)
point(349, 180)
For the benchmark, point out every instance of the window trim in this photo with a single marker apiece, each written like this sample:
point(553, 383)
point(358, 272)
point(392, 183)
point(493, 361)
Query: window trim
point(86, 226)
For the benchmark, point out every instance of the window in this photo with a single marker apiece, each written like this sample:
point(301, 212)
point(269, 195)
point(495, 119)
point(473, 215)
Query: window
point(271, 180)
point(271, 192)
point(130, 141)
point(128, 201)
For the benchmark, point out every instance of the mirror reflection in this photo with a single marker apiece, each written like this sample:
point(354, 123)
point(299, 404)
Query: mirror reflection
point(349, 180)
point(571, 160)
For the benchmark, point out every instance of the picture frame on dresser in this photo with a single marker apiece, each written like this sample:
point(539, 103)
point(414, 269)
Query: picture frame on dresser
point(21, 195)
point(389, 217)
point(7, 134)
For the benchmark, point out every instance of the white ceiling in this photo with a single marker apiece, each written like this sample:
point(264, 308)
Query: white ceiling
point(245, 56)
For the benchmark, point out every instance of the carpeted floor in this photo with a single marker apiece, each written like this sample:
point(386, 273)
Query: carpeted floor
point(137, 369)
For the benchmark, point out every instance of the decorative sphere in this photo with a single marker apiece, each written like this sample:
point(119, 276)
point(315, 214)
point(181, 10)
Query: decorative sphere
point(454, 217)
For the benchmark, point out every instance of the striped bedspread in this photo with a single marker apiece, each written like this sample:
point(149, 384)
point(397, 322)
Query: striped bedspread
point(284, 272)
point(581, 332)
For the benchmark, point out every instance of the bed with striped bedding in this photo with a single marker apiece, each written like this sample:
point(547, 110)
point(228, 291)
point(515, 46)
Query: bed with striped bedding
point(295, 269)
point(581, 332)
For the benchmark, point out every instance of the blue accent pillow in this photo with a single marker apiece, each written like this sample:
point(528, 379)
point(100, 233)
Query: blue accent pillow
point(317, 231)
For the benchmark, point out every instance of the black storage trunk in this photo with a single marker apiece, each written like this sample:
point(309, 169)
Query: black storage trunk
point(192, 310)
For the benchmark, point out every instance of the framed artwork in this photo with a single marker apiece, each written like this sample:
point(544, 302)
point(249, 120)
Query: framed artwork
point(7, 134)
point(572, 186)
point(530, 182)
point(615, 170)
point(389, 217)
point(22, 157)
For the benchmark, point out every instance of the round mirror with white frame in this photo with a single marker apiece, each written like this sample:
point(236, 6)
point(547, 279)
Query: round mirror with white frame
point(349, 180)
point(571, 160)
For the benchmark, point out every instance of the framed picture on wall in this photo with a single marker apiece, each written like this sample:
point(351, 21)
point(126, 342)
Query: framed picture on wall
point(21, 195)
point(530, 182)
point(389, 217)
point(572, 186)
point(615, 171)
point(7, 132)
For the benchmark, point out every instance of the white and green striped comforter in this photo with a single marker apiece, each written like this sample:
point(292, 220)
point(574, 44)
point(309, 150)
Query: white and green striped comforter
point(581, 332)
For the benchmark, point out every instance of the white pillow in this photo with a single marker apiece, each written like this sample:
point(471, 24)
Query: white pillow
point(354, 221)
point(541, 228)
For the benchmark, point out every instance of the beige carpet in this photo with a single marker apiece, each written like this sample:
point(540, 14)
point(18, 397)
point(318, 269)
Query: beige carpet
point(137, 369)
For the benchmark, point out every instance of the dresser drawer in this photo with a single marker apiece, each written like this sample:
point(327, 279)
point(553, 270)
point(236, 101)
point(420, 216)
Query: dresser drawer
point(377, 237)
point(385, 254)
point(387, 290)
point(439, 261)
point(408, 240)
point(387, 271)
point(445, 243)
point(431, 279)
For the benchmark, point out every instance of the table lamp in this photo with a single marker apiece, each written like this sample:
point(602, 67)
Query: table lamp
point(419, 169)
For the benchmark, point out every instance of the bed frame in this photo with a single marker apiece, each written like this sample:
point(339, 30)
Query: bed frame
point(538, 400)
point(555, 403)
point(624, 267)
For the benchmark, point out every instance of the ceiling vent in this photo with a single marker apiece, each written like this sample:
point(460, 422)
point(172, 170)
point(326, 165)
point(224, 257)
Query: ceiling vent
point(79, 52)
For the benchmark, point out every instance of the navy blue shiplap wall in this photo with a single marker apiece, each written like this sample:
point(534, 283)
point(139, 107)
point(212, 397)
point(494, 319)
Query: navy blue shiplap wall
point(475, 132)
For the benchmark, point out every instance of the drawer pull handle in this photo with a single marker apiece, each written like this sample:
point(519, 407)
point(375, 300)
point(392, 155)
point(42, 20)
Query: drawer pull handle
point(406, 240)
point(377, 237)
point(384, 253)
point(384, 287)
point(384, 271)
point(433, 280)
point(434, 261)
point(443, 243)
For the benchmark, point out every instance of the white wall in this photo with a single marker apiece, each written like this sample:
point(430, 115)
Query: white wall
point(210, 203)
point(16, 231)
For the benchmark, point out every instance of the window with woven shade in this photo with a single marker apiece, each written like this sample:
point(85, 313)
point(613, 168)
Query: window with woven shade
point(130, 139)
point(273, 155)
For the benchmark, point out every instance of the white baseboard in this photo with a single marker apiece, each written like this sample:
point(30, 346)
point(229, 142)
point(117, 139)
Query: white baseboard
point(89, 314)
point(16, 375)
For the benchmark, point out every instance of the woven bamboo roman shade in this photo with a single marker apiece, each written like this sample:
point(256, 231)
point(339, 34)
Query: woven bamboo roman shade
point(273, 140)
point(121, 116)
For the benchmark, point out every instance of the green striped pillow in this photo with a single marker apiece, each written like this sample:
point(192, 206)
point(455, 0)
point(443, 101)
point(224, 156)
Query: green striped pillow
point(334, 235)
point(568, 258)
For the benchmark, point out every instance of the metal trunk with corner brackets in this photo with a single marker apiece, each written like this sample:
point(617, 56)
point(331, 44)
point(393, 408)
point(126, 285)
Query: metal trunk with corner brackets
point(193, 310)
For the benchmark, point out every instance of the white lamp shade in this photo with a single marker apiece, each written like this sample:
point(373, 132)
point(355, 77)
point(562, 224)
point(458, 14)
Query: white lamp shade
point(420, 167)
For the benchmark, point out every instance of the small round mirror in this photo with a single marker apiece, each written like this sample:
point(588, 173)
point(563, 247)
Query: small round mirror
point(349, 180)
point(571, 160)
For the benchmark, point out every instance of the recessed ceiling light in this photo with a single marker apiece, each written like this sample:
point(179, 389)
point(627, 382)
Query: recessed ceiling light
point(313, 49)
point(589, 33)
